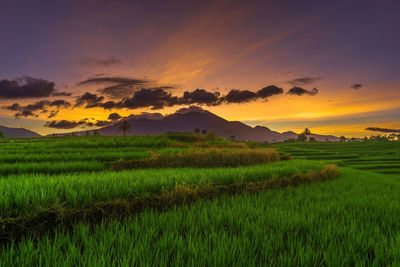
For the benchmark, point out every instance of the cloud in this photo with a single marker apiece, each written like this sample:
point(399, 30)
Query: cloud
point(383, 130)
point(89, 100)
point(43, 106)
point(304, 80)
point(243, 96)
point(160, 97)
point(200, 96)
point(121, 87)
point(117, 87)
point(240, 96)
point(301, 91)
point(356, 86)
point(61, 94)
point(190, 109)
point(114, 116)
point(28, 87)
point(269, 91)
point(64, 124)
point(60, 103)
point(94, 62)
point(155, 98)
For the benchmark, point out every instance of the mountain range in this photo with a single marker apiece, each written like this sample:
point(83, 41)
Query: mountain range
point(185, 120)
point(18, 132)
point(188, 119)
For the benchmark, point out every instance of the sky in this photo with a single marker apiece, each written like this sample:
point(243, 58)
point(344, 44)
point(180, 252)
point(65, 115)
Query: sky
point(331, 66)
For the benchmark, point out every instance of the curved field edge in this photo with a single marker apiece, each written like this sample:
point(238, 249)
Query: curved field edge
point(24, 194)
point(14, 229)
point(351, 221)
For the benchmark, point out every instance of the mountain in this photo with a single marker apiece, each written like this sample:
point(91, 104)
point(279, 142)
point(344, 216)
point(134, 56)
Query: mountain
point(188, 119)
point(18, 132)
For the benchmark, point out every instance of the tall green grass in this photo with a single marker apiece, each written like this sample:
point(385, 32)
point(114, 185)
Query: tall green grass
point(352, 221)
point(34, 192)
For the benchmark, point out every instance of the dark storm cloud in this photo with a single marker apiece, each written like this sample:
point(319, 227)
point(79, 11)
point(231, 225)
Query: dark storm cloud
point(114, 116)
point(240, 96)
point(382, 130)
point(60, 103)
point(301, 91)
point(117, 87)
point(160, 97)
point(26, 87)
point(200, 96)
point(356, 86)
point(269, 91)
point(304, 81)
point(64, 124)
point(61, 94)
point(243, 96)
point(155, 98)
point(89, 100)
point(93, 62)
point(43, 106)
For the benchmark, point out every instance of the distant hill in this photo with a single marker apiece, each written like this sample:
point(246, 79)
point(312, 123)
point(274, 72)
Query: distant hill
point(18, 132)
point(186, 120)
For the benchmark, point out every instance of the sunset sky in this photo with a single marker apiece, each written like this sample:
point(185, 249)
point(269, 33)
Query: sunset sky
point(74, 60)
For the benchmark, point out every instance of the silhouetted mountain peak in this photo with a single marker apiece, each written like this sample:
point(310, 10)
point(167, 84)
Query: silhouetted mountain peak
point(18, 132)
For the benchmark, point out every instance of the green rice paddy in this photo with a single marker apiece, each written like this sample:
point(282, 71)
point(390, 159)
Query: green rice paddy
point(347, 221)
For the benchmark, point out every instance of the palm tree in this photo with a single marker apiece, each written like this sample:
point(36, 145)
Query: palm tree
point(124, 127)
point(307, 132)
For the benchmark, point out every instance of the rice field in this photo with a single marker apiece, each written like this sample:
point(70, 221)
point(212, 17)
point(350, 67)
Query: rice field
point(63, 202)
point(378, 157)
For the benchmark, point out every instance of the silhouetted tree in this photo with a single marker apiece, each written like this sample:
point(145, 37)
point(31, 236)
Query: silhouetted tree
point(204, 131)
point(124, 127)
point(2, 135)
point(232, 137)
point(306, 132)
point(342, 139)
point(197, 131)
point(96, 133)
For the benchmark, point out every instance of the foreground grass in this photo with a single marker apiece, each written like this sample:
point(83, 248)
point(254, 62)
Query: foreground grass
point(345, 222)
point(33, 193)
point(39, 224)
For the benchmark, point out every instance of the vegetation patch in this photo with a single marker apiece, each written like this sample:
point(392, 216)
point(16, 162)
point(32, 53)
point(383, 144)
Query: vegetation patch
point(14, 229)
point(209, 158)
